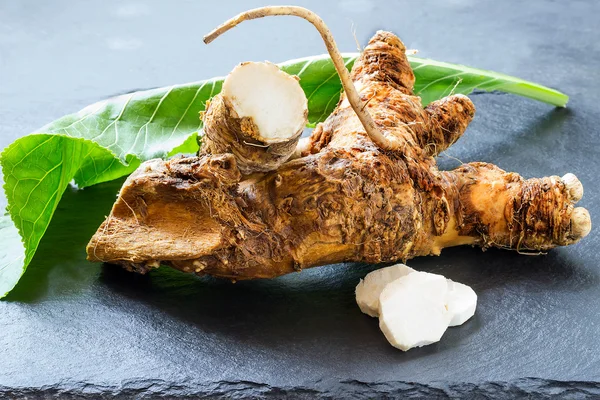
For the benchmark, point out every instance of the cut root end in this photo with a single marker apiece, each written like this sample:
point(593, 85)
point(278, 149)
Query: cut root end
point(258, 117)
point(581, 223)
point(272, 99)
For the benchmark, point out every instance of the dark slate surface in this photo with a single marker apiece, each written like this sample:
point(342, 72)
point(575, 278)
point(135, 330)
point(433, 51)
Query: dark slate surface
point(73, 329)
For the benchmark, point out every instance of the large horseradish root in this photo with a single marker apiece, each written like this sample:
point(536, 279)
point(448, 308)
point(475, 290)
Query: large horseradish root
point(369, 194)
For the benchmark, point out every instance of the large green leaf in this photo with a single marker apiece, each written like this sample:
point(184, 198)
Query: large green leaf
point(435, 79)
point(12, 255)
point(109, 139)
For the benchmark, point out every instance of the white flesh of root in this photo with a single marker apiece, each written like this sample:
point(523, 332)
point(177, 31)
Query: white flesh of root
point(369, 289)
point(303, 144)
point(459, 301)
point(272, 98)
point(413, 311)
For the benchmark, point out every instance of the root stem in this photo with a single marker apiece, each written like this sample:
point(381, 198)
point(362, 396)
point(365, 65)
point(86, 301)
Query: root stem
point(353, 97)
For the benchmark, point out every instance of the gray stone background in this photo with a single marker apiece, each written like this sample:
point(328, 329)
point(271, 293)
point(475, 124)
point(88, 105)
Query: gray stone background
point(76, 329)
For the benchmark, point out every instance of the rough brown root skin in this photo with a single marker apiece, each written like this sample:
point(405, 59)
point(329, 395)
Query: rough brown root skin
point(448, 118)
point(419, 132)
point(345, 200)
point(154, 217)
point(502, 209)
point(226, 133)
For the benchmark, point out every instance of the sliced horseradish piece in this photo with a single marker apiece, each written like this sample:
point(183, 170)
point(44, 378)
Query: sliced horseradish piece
point(413, 310)
point(461, 301)
point(369, 289)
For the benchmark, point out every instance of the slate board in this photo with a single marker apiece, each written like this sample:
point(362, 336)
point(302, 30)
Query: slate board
point(72, 329)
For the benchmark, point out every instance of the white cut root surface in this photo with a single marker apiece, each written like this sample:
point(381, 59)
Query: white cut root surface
point(413, 311)
point(369, 289)
point(272, 98)
point(414, 308)
point(461, 301)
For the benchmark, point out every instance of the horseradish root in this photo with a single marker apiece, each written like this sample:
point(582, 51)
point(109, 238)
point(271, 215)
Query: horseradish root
point(573, 186)
point(353, 97)
point(354, 194)
point(258, 117)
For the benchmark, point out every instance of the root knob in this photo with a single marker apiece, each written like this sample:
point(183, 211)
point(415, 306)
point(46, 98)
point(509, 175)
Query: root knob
point(581, 223)
point(574, 187)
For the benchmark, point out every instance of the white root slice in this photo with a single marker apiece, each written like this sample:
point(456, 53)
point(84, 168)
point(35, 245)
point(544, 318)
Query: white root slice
point(413, 310)
point(369, 289)
point(461, 301)
point(272, 98)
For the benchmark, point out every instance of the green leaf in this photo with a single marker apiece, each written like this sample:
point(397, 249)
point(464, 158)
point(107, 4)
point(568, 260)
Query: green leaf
point(12, 256)
point(111, 138)
point(37, 170)
point(435, 79)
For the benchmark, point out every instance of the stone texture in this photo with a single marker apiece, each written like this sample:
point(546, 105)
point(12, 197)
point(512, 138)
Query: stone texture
point(76, 330)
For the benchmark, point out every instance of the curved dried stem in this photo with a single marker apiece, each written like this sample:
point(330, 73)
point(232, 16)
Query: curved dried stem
point(353, 97)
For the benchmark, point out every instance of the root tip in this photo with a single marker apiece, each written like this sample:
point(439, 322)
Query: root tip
point(573, 186)
point(581, 223)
